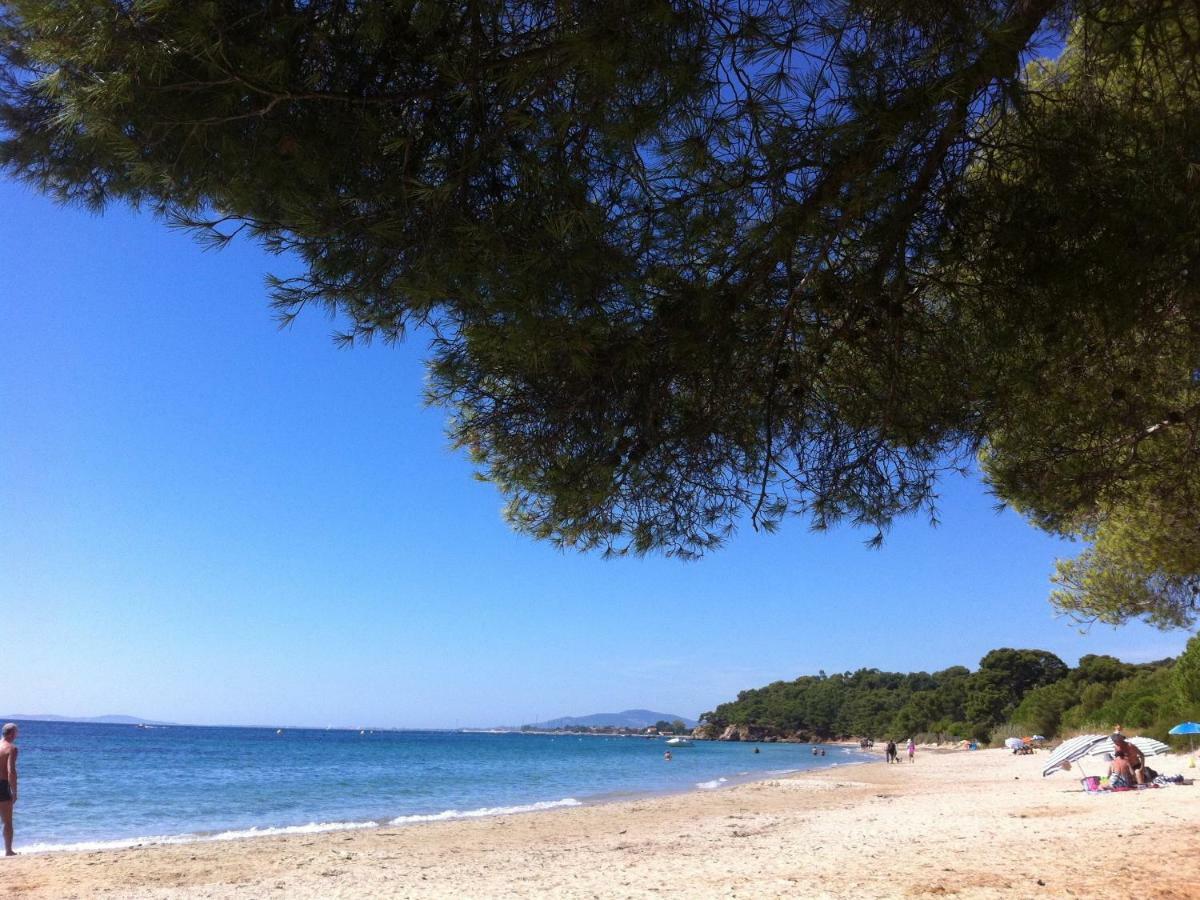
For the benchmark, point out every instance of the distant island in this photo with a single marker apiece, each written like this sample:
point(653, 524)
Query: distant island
point(627, 721)
point(89, 720)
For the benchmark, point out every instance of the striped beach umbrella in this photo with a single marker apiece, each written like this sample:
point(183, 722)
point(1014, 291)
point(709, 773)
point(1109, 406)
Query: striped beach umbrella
point(1069, 752)
point(1148, 745)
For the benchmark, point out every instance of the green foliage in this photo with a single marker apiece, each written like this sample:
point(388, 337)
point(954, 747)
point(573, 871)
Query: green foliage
point(1013, 673)
point(1012, 692)
point(1041, 710)
point(1100, 669)
point(1005, 676)
point(1099, 442)
point(981, 732)
point(1144, 701)
point(1186, 676)
point(989, 700)
point(1144, 561)
point(1023, 670)
point(682, 264)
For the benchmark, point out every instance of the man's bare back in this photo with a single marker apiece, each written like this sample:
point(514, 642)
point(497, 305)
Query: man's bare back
point(8, 783)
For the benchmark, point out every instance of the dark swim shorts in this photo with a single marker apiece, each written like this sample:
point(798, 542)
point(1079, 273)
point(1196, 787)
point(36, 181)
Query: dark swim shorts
point(5, 793)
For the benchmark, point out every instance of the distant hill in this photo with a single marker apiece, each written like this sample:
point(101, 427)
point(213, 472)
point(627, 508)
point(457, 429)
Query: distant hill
point(629, 718)
point(90, 720)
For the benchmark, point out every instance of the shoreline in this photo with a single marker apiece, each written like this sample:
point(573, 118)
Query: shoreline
point(977, 824)
point(254, 832)
point(257, 832)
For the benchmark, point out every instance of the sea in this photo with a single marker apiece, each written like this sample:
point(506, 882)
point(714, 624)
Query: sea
point(88, 786)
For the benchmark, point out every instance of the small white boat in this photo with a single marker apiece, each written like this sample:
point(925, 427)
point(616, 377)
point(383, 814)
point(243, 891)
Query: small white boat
point(679, 742)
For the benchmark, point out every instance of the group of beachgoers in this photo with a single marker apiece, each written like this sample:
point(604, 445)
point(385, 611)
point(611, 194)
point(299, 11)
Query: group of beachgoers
point(1128, 767)
point(893, 755)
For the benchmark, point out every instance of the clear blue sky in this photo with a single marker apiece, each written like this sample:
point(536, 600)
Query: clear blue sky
point(205, 519)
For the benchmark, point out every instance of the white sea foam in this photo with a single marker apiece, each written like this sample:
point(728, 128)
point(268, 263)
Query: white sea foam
point(485, 811)
point(711, 785)
point(123, 843)
point(310, 828)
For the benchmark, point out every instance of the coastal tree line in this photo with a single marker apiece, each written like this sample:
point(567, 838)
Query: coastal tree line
point(685, 264)
point(1012, 690)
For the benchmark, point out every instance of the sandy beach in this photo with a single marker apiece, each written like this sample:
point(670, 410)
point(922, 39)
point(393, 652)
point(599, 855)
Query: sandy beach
point(963, 824)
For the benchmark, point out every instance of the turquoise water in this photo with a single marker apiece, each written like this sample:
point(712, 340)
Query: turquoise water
point(115, 785)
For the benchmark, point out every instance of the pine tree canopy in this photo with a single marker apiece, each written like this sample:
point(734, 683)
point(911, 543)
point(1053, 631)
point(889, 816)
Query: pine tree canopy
point(688, 263)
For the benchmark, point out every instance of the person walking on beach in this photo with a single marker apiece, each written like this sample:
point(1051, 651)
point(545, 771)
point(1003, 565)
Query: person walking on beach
point(912, 750)
point(890, 751)
point(8, 783)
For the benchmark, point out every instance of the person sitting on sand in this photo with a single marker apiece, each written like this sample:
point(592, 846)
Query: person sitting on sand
point(1120, 774)
point(1135, 757)
point(8, 783)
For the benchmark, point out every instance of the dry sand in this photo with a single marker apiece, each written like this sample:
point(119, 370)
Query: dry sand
point(963, 824)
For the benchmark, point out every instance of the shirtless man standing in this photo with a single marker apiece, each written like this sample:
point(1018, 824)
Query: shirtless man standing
point(8, 783)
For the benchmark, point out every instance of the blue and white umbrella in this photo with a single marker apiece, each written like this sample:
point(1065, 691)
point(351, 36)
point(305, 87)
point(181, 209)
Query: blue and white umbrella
point(1072, 751)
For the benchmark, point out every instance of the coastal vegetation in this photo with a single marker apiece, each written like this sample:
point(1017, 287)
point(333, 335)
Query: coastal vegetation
point(1011, 692)
point(687, 264)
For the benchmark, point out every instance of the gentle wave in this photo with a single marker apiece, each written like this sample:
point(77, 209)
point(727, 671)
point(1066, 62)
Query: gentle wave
point(123, 843)
point(485, 811)
point(310, 828)
point(711, 785)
